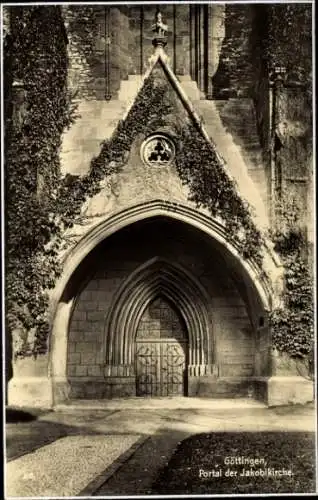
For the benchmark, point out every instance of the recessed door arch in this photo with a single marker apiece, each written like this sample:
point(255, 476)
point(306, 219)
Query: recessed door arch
point(158, 277)
point(62, 298)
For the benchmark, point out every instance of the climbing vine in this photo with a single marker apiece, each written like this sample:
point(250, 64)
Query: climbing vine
point(283, 31)
point(293, 323)
point(37, 59)
point(210, 187)
point(42, 204)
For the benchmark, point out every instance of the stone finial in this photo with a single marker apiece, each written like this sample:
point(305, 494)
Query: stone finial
point(160, 31)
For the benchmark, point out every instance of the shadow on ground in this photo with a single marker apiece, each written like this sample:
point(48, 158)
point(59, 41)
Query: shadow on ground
point(26, 431)
point(15, 415)
point(137, 476)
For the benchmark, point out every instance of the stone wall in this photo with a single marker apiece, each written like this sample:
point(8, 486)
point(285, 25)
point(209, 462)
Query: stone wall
point(235, 76)
point(283, 39)
point(294, 152)
point(161, 320)
point(232, 343)
point(106, 44)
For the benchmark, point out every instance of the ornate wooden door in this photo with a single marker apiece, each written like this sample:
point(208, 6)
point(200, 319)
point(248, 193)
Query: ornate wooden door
point(161, 352)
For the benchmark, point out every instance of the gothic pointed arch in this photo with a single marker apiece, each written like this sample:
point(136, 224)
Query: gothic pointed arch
point(62, 299)
point(155, 277)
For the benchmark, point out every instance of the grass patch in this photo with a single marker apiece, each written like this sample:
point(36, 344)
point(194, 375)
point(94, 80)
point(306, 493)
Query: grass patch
point(294, 451)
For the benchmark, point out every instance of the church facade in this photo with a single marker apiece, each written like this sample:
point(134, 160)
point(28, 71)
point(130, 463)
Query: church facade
point(156, 297)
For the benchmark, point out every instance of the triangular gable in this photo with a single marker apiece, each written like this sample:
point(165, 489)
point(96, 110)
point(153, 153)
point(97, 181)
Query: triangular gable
point(160, 57)
point(161, 101)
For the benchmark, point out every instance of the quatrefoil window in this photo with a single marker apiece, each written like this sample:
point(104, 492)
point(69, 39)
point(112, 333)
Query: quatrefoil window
point(157, 150)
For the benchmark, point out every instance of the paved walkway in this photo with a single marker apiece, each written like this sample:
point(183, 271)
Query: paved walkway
point(117, 447)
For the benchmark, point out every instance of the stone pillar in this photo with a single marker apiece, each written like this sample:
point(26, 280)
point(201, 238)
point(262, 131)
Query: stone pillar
point(119, 381)
point(202, 69)
point(31, 386)
point(181, 36)
point(58, 351)
point(216, 33)
point(192, 41)
point(289, 383)
point(202, 379)
point(262, 357)
point(119, 371)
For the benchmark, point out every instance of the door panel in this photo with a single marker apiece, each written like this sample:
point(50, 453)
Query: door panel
point(160, 368)
point(161, 351)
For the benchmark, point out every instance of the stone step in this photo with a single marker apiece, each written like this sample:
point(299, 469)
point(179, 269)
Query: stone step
point(92, 104)
point(232, 123)
point(190, 87)
point(177, 402)
point(129, 89)
point(258, 176)
point(135, 78)
point(185, 78)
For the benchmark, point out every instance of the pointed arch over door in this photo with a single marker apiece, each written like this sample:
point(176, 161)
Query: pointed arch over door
point(262, 290)
point(153, 278)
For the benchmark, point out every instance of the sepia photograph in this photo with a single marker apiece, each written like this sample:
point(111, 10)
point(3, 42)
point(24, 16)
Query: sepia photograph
point(158, 249)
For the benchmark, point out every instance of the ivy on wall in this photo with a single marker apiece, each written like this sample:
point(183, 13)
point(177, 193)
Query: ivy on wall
point(197, 164)
point(211, 188)
point(292, 324)
point(83, 38)
point(36, 220)
point(41, 204)
point(37, 60)
point(235, 74)
point(290, 26)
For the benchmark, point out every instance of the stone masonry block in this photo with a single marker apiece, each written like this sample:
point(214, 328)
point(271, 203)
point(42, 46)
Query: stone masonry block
point(90, 305)
point(74, 358)
point(88, 358)
point(103, 306)
point(78, 314)
point(86, 295)
point(81, 306)
point(81, 371)
point(92, 336)
point(94, 371)
point(100, 295)
point(75, 335)
point(81, 326)
point(71, 347)
point(289, 390)
point(85, 347)
point(92, 285)
point(71, 370)
point(99, 357)
point(102, 284)
point(93, 327)
point(95, 316)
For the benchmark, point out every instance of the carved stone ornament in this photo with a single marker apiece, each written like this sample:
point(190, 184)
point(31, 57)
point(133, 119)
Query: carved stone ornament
point(160, 30)
point(157, 150)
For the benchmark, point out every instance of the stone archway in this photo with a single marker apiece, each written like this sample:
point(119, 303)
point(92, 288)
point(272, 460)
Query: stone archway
point(258, 288)
point(157, 276)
